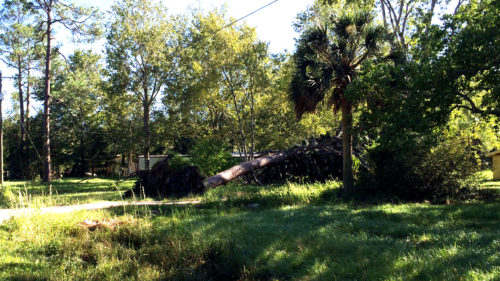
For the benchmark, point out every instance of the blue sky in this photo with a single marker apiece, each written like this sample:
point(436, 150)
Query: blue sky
point(273, 24)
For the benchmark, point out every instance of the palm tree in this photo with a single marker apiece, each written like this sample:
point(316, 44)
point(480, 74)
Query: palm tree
point(327, 59)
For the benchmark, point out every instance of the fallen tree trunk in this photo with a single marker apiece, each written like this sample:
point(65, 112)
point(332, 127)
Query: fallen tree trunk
point(242, 169)
point(319, 162)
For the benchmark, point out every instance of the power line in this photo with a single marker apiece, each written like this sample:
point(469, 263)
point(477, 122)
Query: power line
point(246, 16)
point(232, 23)
point(27, 134)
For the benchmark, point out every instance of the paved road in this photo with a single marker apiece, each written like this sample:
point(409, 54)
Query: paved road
point(6, 214)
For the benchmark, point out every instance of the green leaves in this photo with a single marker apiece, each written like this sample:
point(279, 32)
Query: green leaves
point(327, 58)
point(140, 46)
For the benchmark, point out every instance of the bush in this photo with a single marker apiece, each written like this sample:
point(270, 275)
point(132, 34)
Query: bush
point(211, 156)
point(417, 172)
point(178, 162)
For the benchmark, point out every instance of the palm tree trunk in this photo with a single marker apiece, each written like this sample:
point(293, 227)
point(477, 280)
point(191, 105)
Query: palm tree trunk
point(347, 177)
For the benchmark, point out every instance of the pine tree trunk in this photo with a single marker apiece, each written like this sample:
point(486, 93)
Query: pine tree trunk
point(21, 102)
point(27, 117)
point(47, 173)
point(347, 176)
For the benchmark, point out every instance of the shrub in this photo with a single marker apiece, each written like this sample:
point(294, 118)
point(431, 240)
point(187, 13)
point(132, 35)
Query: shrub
point(418, 171)
point(177, 163)
point(211, 156)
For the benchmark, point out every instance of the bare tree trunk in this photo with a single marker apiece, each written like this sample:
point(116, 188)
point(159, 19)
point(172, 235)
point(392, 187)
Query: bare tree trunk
point(240, 127)
point(431, 13)
point(347, 176)
point(27, 118)
point(238, 116)
point(244, 168)
point(83, 152)
point(147, 133)
point(383, 13)
point(130, 162)
point(261, 162)
point(252, 126)
point(47, 173)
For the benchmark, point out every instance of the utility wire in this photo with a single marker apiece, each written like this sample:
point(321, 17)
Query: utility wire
point(246, 16)
point(189, 45)
point(232, 23)
point(28, 135)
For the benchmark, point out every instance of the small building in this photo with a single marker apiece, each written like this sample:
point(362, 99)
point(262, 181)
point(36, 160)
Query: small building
point(495, 155)
point(241, 156)
point(153, 159)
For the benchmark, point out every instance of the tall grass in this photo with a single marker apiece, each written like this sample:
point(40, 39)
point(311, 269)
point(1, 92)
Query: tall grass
point(290, 232)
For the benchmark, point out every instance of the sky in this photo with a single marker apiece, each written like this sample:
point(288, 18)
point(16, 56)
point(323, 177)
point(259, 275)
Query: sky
point(273, 24)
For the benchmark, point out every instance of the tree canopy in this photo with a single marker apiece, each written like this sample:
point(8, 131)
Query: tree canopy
point(410, 78)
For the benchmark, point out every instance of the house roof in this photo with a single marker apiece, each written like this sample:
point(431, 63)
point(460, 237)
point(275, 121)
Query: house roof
point(493, 153)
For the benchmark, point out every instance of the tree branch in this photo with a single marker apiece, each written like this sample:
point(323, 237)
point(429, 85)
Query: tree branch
point(474, 108)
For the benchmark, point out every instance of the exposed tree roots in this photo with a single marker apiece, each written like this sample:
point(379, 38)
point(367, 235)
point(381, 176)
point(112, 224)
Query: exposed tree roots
point(162, 181)
point(314, 163)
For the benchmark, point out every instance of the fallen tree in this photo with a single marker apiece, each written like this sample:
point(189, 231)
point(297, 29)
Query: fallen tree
point(243, 169)
point(317, 162)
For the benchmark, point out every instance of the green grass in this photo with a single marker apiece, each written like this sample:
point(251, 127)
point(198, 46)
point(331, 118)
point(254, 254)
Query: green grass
point(67, 191)
point(290, 232)
point(488, 182)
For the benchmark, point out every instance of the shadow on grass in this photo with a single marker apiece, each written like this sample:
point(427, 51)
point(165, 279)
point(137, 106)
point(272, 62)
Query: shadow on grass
point(277, 233)
point(20, 271)
point(230, 240)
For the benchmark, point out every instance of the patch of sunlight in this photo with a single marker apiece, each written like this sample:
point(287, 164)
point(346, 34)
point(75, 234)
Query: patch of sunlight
point(10, 259)
point(318, 269)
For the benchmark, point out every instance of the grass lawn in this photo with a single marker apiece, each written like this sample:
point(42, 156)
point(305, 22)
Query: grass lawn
point(67, 191)
point(487, 181)
point(289, 232)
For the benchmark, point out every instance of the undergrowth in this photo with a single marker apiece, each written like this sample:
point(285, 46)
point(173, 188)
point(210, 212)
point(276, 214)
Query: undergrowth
point(290, 232)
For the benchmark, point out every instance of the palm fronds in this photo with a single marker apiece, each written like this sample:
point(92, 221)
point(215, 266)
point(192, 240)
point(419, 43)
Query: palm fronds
point(328, 57)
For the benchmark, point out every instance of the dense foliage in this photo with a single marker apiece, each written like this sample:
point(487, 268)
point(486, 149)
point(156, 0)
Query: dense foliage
point(421, 131)
point(419, 83)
